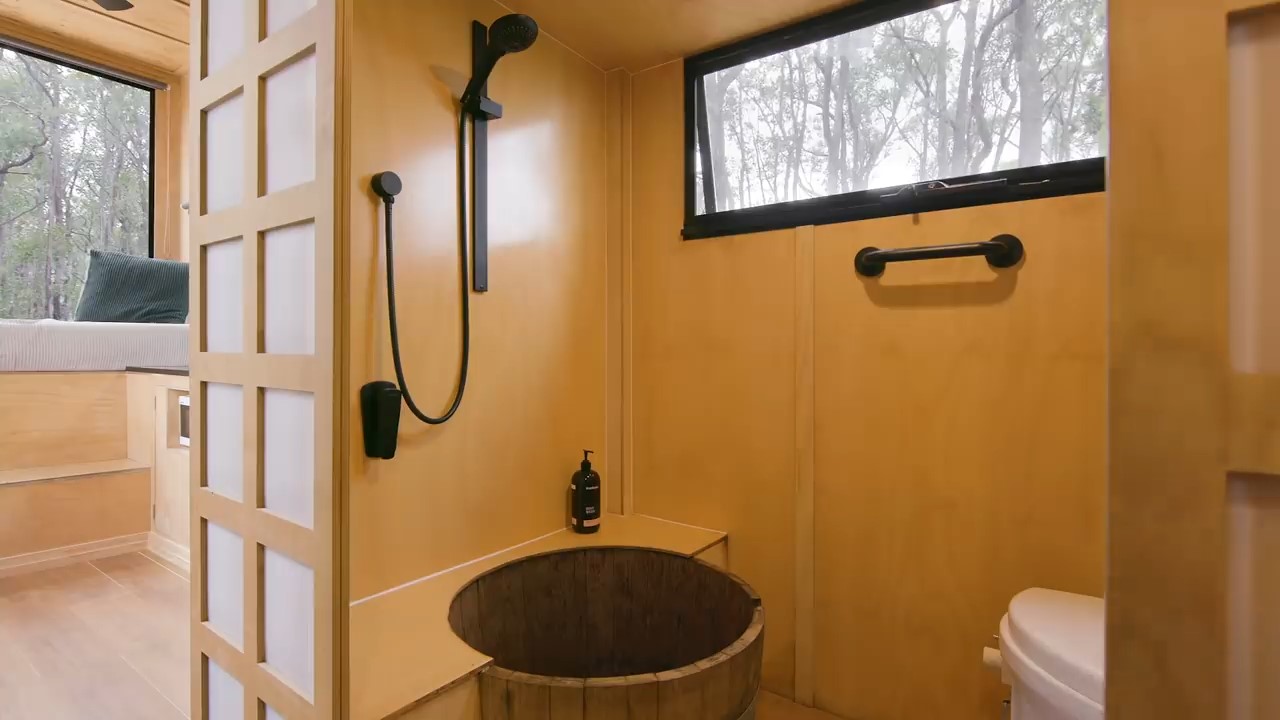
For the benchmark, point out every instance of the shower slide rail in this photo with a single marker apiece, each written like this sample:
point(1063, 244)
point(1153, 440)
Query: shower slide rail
point(1001, 251)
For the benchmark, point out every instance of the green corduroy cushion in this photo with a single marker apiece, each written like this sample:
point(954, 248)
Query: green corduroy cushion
point(128, 288)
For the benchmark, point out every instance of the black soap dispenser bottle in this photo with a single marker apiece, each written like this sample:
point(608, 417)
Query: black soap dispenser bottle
point(584, 491)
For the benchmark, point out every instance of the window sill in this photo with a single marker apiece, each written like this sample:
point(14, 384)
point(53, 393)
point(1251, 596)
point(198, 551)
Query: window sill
point(1044, 181)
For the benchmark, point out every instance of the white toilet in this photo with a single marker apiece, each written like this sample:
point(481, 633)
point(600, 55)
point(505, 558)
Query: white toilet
point(1051, 647)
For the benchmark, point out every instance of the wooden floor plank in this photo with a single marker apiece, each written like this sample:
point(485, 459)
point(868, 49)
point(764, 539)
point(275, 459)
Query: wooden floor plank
point(16, 671)
point(105, 639)
point(148, 579)
point(70, 583)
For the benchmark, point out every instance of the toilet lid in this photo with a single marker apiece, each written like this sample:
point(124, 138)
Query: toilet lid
point(1062, 633)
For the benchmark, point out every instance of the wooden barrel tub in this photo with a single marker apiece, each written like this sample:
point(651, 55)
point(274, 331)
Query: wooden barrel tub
point(613, 634)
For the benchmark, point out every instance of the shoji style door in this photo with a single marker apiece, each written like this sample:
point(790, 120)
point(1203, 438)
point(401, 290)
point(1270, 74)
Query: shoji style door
point(266, 603)
point(1193, 587)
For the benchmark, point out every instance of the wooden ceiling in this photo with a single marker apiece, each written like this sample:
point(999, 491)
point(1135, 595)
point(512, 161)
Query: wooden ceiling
point(631, 34)
point(638, 34)
point(153, 35)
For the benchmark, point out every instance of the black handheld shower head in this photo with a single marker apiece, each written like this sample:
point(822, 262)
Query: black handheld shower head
point(508, 34)
point(512, 34)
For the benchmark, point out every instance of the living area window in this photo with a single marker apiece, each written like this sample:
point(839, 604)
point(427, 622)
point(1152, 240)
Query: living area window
point(76, 169)
point(891, 107)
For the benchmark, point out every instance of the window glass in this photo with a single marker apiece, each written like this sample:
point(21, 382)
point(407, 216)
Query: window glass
point(75, 175)
point(967, 87)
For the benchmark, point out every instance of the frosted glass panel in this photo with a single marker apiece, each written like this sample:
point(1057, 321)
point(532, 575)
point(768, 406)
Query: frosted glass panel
point(289, 620)
point(224, 297)
point(226, 695)
point(224, 155)
point(224, 439)
point(282, 12)
point(1254, 53)
point(224, 583)
point(289, 261)
point(289, 106)
point(288, 454)
point(273, 715)
point(225, 38)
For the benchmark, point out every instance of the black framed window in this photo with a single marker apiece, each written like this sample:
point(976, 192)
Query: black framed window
point(76, 169)
point(890, 107)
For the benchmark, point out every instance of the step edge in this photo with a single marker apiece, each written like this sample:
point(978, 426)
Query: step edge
point(68, 471)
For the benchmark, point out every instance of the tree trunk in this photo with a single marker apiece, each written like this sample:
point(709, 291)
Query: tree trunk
point(1030, 86)
point(940, 99)
point(824, 63)
point(795, 98)
point(977, 109)
point(4, 222)
point(941, 107)
point(844, 46)
point(963, 146)
point(57, 204)
point(717, 87)
point(110, 209)
point(744, 187)
point(1067, 126)
point(833, 67)
point(784, 148)
point(1006, 130)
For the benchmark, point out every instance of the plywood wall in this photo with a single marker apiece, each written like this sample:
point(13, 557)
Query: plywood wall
point(960, 449)
point(714, 359)
point(497, 473)
point(750, 415)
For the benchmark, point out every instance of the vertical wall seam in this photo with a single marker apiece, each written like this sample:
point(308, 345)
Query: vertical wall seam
point(804, 469)
point(628, 296)
point(619, 294)
point(614, 481)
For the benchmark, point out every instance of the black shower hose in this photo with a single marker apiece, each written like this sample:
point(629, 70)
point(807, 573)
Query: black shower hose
point(465, 363)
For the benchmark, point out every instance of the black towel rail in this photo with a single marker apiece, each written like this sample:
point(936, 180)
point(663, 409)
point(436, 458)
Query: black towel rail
point(1001, 251)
